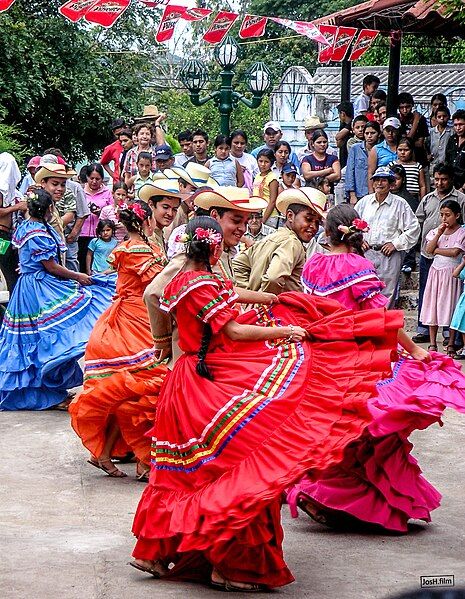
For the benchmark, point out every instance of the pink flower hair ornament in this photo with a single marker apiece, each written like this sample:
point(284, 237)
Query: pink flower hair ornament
point(138, 211)
point(358, 225)
point(207, 235)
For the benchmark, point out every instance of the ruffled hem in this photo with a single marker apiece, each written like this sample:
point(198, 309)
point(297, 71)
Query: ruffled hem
point(311, 431)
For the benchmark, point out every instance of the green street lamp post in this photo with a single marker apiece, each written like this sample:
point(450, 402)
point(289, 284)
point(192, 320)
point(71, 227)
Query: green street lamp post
point(194, 76)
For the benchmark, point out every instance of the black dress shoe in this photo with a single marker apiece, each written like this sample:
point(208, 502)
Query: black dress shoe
point(420, 338)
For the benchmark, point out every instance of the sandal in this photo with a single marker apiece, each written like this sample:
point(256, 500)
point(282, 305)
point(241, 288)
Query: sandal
point(253, 588)
point(432, 348)
point(156, 573)
point(142, 472)
point(112, 472)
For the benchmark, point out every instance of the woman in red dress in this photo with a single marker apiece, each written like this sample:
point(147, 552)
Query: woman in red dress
point(251, 405)
point(122, 376)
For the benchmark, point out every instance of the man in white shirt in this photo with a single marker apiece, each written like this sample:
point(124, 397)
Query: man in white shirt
point(394, 229)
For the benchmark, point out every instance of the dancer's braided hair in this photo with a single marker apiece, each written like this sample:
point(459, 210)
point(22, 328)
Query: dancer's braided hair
point(344, 215)
point(199, 250)
point(133, 218)
point(38, 203)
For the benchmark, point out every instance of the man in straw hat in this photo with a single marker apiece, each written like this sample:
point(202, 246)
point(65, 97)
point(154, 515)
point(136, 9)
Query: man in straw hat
point(275, 264)
point(163, 197)
point(231, 207)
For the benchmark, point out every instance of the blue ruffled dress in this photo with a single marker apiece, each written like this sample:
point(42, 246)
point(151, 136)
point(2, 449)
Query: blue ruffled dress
point(46, 325)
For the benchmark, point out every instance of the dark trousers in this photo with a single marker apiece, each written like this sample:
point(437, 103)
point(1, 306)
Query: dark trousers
point(425, 265)
point(83, 244)
point(9, 263)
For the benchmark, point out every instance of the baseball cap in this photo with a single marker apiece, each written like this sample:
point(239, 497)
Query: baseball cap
point(289, 168)
point(33, 162)
point(272, 125)
point(383, 172)
point(163, 152)
point(51, 159)
point(392, 121)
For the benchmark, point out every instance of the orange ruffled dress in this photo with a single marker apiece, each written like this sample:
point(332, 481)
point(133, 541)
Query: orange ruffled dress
point(225, 450)
point(121, 375)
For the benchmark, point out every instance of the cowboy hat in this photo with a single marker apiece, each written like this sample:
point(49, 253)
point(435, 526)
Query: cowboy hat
point(59, 171)
point(313, 122)
point(233, 198)
point(193, 173)
point(167, 188)
point(150, 113)
point(306, 196)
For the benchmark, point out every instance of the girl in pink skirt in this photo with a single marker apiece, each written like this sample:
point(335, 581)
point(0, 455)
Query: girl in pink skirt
point(442, 291)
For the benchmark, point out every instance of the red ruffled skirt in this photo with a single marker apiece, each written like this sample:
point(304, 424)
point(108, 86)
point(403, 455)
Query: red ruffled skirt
point(379, 481)
point(225, 450)
point(122, 381)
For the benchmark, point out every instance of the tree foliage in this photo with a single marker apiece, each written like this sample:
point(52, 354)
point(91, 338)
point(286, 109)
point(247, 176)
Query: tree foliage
point(62, 83)
point(11, 141)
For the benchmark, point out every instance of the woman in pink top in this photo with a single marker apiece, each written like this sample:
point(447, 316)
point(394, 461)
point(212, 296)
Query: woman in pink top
point(379, 483)
point(97, 196)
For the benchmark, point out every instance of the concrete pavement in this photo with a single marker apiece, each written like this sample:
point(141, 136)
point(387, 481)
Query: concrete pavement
point(66, 528)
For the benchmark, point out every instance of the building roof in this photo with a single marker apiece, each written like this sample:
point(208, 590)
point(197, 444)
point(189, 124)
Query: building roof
point(411, 16)
point(422, 81)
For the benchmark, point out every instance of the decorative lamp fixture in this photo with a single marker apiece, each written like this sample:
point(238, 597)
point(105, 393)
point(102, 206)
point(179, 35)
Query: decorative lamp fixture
point(193, 75)
point(227, 53)
point(259, 78)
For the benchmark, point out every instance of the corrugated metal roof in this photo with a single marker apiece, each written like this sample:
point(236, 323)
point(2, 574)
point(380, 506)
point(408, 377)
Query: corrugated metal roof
point(422, 81)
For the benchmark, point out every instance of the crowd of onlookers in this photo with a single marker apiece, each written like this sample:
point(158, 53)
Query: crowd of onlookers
point(398, 171)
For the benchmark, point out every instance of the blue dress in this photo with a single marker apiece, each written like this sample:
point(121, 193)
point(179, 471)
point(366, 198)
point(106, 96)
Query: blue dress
point(46, 325)
point(458, 319)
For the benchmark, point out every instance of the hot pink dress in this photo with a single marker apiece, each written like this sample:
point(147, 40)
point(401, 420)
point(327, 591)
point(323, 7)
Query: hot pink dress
point(379, 481)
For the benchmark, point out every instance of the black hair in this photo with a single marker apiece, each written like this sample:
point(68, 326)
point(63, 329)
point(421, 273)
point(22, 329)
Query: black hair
point(54, 152)
point(83, 173)
point(398, 169)
point(347, 107)
point(200, 251)
point(267, 153)
point(284, 143)
point(117, 124)
point(380, 105)
point(220, 209)
point(106, 222)
point(126, 132)
point(459, 114)
point(379, 94)
point(38, 203)
point(120, 185)
point(344, 215)
point(454, 206)
point(317, 182)
point(185, 136)
point(158, 197)
point(444, 169)
point(222, 140)
point(97, 167)
point(442, 108)
point(408, 142)
point(373, 125)
point(297, 208)
point(144, 156)
point(200, 133)
point(133, 222)
point(361, 118)
point(369, 79)
point(405, 98)
point(441, 97)
point(240, 132)
point(318, 133)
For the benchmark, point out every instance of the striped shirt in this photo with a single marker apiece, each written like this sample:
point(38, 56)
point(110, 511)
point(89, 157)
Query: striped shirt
point(412, 171)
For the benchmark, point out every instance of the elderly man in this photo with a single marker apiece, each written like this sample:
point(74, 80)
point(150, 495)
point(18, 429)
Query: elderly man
point(275, 264)
point(272, 133)
point(394, 229)
point(429, 217)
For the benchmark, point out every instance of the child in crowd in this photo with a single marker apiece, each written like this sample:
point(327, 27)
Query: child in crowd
point(120, 201)
point(101, 247)
point(398, 187)
point(416, 182)
point(289, 177)
point(144, 173)
point(266, 185)
point(439, 136)
point(225, 169)
point(458, 318)
point(442, 292)
point(358, 130)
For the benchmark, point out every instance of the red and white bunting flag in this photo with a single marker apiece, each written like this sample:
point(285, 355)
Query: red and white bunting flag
point(169, 20)
point(75, 9)
point(106, 12)
point(364, 40)
point(220, 26)
point(5, 4)
point(252, 26)
point(344, 38)
point(303, 28)
point(325, 51)
point(196, 14)
point(154, 3)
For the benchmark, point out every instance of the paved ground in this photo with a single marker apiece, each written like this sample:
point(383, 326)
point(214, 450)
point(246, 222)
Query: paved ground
point(65, 527)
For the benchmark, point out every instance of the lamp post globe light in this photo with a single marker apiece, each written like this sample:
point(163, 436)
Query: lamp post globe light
point(194, 76)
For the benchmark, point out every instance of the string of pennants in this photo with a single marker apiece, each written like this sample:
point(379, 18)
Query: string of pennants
point(333, 42)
